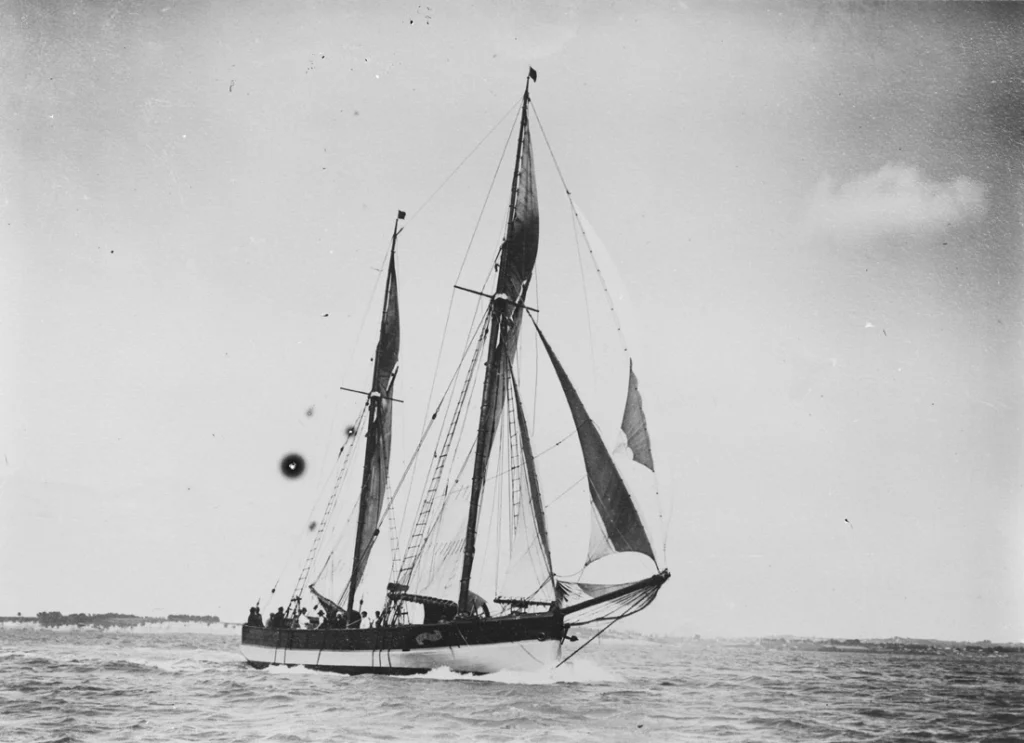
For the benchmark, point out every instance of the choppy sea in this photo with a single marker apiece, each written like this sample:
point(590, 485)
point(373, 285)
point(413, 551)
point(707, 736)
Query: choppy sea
point(133, 685)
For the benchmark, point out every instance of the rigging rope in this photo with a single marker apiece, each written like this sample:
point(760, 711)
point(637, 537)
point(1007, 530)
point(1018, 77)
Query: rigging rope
point(611, 303)
point(341, 468)
point(366, 312)
point(457, 167)
point(472, 237)
point(331, 503)
point(451, 419)
point(577, 650)
point(642, 600)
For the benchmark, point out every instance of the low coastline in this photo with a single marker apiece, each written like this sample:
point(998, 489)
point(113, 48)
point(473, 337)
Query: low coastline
point(55, 620)
point(212, 623)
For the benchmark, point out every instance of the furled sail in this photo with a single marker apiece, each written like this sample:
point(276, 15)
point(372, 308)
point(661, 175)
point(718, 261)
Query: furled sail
point(378, 436)
point(613, 507)
point(328, 605)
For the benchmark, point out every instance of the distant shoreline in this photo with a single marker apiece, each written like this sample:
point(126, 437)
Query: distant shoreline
point(54, 619)
point(889, 645)
point(877, 645)
point(57, 620)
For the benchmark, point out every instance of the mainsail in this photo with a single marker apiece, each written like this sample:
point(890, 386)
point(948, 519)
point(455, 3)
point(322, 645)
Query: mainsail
point(378, 435)
point(518, 256)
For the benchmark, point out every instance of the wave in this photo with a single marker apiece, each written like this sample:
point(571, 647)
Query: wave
point(167, 666)
point(119, 686)
point(289, 670)
point(576, 671)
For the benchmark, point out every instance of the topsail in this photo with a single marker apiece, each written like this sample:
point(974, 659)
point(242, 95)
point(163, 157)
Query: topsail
point(519, 252)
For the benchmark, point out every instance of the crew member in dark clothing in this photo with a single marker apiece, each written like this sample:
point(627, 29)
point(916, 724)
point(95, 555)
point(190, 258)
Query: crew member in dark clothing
point(277, 618)
point(255, 619)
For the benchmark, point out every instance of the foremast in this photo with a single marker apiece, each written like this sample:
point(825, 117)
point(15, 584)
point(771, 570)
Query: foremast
point(378, 434)
point(518, 255)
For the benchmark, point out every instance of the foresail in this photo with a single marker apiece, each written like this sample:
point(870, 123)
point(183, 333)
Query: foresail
point(378, 447)
point(633, 445)
point(617, 514)
point(378, 436)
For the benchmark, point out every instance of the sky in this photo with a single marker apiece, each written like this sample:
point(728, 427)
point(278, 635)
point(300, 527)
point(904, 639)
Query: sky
point(816, 210)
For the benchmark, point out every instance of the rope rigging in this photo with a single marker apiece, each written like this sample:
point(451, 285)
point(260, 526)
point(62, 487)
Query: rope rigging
point(577, 222)
point(640, 602)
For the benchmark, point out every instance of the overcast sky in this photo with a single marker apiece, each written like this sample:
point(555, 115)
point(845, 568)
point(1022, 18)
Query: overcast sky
point(817, 210)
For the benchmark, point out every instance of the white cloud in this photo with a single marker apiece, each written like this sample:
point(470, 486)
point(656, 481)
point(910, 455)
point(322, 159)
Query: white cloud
point(897, 198)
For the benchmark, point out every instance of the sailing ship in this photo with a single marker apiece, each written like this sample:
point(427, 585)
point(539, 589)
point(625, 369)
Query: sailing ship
point(433, 613)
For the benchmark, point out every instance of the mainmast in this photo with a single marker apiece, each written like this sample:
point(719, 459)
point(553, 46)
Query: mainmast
point(518, 254)
point(378, 434)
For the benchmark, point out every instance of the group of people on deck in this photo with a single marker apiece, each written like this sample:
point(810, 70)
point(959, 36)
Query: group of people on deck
point(333, 618)
point(336, 620)
point(322, 620)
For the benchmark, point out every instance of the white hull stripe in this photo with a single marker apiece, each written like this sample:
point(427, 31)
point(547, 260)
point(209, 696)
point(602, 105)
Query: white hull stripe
point(530, 655)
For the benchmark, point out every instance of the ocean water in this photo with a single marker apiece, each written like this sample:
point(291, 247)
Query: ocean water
point(122, 685)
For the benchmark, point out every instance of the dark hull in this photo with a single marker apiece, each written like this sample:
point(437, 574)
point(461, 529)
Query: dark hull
point(522, 642)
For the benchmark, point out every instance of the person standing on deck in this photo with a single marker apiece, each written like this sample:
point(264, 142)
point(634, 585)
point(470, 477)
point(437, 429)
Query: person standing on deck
point(254, 620)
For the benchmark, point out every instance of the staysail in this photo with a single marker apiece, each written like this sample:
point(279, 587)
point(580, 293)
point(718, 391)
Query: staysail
point(614, 508)
point(634, 424)
point(518, 256)
point(378, 436)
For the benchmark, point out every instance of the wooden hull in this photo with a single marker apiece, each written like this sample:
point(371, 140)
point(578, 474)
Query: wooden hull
point(516, 643)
